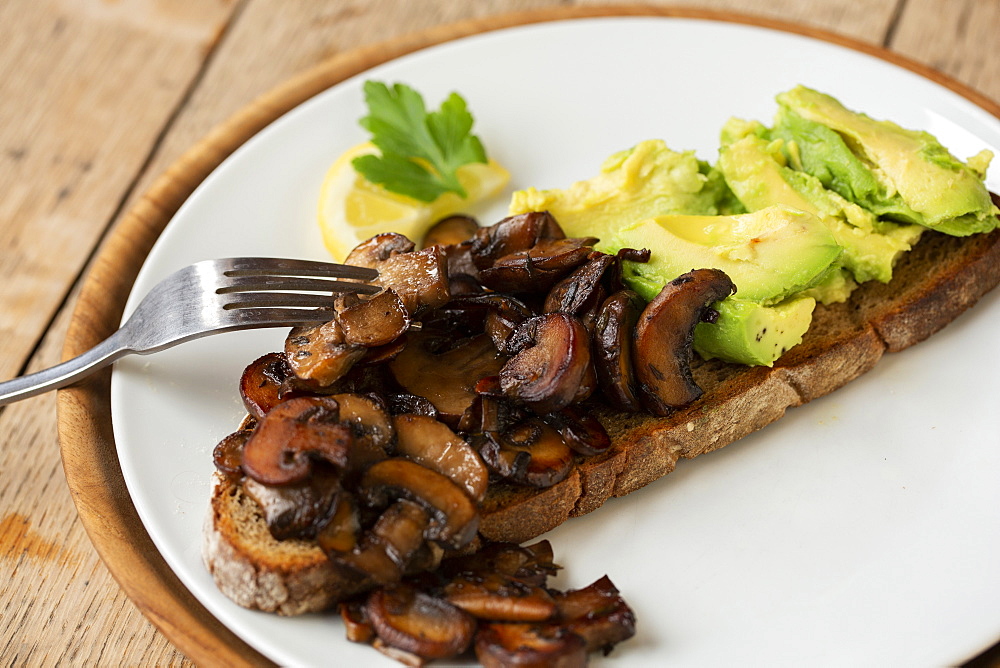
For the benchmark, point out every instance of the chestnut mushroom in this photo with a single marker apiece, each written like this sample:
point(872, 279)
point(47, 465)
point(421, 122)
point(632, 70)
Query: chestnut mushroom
point(532, 564)
point(451, 231)
point(297, 510)
point(580, 291)
point(228, 453)
point(538, 268)
point(376, 250)
point(513, 234)
point(420, 278)
point(598, 614)
point(320, 354)
point(613, 354)
point(503, 645)
point(340, 533)
point(291, 436)
point(432, 444)
point(499, 597)
point(384, 552)
point(664, 334)
point(554, 368)
point(447, 379)
point(454, 515)
point(377, 321)
point(580, 430)
point(418, 623)
point(531, 453)
point(356, 623)
point(262, 382)
point(371, 427)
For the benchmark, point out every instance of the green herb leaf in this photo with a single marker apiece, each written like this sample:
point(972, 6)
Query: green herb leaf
point(420, 150)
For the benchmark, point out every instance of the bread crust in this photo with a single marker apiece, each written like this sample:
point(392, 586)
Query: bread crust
point(932, 285)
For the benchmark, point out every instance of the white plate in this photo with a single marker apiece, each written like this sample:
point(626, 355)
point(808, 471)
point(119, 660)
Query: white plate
point(862, 529)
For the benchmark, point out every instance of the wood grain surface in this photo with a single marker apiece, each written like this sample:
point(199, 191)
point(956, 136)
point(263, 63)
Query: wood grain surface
point(98, 102)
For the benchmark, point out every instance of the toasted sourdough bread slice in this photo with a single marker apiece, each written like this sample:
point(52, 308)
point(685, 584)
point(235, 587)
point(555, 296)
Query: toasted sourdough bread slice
point(933, 284)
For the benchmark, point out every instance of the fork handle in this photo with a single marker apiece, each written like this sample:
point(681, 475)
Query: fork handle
point(64, 374)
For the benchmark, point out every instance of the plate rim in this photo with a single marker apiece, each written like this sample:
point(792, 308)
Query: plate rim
point(84, 426)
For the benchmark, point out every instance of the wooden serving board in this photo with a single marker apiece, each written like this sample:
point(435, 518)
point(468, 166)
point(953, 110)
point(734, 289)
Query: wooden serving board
point(84, 414)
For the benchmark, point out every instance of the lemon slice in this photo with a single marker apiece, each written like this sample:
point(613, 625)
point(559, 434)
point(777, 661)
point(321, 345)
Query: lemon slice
point(352, 209)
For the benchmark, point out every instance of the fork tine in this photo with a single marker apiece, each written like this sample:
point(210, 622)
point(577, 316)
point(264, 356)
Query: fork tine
point(251, 283)
point(250, 266)
point(275, 317)
point(272, 299)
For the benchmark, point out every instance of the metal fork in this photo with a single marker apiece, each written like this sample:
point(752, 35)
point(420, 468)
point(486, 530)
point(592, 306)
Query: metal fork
point(208, 298)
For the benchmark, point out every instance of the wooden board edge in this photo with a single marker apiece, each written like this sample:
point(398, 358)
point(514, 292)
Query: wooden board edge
point(84, 418)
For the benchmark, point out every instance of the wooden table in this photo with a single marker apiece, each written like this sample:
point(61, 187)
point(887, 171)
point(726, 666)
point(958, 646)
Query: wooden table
point(98, 98)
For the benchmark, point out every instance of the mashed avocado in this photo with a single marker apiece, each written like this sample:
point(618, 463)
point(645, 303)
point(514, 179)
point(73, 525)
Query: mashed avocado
point(797, 213)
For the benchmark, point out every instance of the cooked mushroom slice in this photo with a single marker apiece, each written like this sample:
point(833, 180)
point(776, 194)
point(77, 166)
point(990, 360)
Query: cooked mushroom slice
point(491, 410)
point(356, 623)
point(532, 453)
point(531, 564)
point(451, 231)
point(432, 444)
point(447, 380)
point(285, 442)
point(385, 551)
point(340, 534)
point(499, 597)
point(320, 354)
point(454, 516)
point(262, 382)
point(404, 402)
point(420, 278)
point(663, 338)
point(300, 509)
point(370, 426)
point(228, 453)
point(383, 354)
point(549, 374)
point(502, 645)
point(513, 234)
point(580, 430)
point(375, 322)
point(418, 623)
point(538, 268)
point(598, 614)
point(374, 251)
point(613, 354)
point(575, 292)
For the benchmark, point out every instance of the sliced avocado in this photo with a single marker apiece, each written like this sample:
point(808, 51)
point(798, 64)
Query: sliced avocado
point(644, 181)
point(756, 172)
point(902, 174)
point(749, 333)
point(769, 254)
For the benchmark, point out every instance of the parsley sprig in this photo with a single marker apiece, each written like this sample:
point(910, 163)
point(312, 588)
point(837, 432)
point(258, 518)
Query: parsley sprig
point(420, 150)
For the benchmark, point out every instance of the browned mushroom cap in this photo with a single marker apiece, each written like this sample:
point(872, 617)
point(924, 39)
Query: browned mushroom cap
point(451, 231)
point(454, 515)
point(491, 410)
point(372, 252)
point(513, 234)
point(598, 614)
point(383, 354)
point(297, 510)
point(418, 623)
point(403, 402)
point(385, 551)
point(664, 334)
point(580, 430)
point(538, 268)
point(612, 338)
point(432, 444)
point(228, 453)
point(356, 623)
point(532, 453)
point(375, 322)
point(320, 354)
point(262, 382)
point(502, 645)
point(550, 371)
point(420, 278)
point(341, 533)
point(291, 436)
point(447, 380)
point(370, 426)
point(580, 288)
point(499, 597)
